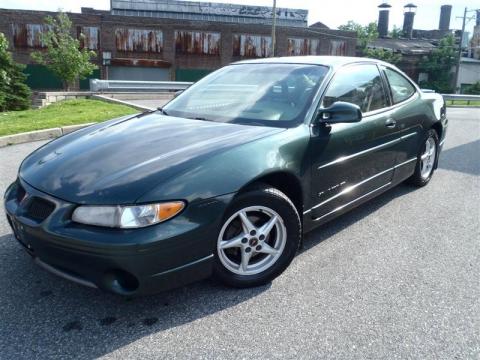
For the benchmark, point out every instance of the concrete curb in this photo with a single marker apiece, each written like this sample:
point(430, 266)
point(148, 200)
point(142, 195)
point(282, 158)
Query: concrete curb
point(38, 135)
point(464, 106)
point(121, 102)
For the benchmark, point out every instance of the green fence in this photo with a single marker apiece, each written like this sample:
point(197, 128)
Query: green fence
point(191, 74)
point(40, 78)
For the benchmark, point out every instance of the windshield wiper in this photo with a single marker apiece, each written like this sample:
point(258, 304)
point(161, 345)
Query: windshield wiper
point(200, 118)
point(162, 111)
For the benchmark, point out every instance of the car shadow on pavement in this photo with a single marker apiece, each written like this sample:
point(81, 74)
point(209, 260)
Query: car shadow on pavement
point(462, 158)
point(336, 225)
point(63, 319)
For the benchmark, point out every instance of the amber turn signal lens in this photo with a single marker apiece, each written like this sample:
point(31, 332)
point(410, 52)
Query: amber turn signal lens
point(167, 210)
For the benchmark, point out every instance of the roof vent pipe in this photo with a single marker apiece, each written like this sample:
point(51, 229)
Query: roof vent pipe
point(409, 11)
point(383, 13)
point(445, 14)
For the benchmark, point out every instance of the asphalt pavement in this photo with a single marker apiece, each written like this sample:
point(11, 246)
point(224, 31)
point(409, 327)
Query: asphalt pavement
point(398, 277)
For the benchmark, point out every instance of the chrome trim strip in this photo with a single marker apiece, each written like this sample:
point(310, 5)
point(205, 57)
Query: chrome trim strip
point(352, 187)
point(184, 266)
point(348, 157)
point(408, 135)
point(351, 202)
point(405, 162)
point(366, 151)
point(63, 274)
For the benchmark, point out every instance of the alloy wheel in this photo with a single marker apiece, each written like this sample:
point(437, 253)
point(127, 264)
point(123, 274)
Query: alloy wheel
point(251, 240)
point(427, 159)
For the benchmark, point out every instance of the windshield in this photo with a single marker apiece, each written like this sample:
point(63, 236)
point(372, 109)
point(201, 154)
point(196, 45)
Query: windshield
point(255, 94)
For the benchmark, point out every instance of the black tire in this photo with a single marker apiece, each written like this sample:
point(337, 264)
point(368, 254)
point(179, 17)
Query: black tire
point(416, 179)
point(283, 206)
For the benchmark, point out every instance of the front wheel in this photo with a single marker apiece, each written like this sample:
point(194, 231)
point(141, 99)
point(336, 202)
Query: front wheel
point(426, 160)
point(258, 239)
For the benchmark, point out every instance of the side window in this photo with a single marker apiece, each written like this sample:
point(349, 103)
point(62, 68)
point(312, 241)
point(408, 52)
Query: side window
point(401, 88)
point(360, 85)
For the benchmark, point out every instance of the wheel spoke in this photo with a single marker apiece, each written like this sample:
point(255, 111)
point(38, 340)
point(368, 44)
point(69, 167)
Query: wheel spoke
point(267, 249)
point(234, 242)
point(247, 225)
point(268, 226)
point(245, 260)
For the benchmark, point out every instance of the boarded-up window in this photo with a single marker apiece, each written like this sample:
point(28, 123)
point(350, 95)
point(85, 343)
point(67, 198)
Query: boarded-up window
point(139, 40)
point(338, 47)
point(298, 46)
point(251, 45)
point(28, 35)
point(196, 42)
point(90, 38)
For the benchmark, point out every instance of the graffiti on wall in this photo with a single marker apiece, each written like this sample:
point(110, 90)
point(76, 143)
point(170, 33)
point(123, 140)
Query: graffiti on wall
point(300, 46)
point(139, 40)
point(338, 47)
point(251, 45)
point(28, 35)
point(197, 42)
point(89, 37)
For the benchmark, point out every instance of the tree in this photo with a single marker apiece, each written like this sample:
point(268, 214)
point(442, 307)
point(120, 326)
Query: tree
point(63, 55)
point(366, 35)
point(14, 93)
point(473, 89)
point(384, 55)
point(438, 66)
point(396, 33)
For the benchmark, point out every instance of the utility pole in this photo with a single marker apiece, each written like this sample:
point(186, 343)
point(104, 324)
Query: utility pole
point(274, 24)
point(459, 55)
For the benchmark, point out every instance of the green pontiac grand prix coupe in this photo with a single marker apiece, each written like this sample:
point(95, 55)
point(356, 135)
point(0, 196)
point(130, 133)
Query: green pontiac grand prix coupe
point(227, 177)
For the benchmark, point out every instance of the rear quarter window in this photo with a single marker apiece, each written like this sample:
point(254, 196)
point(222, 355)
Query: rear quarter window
point(400, 86)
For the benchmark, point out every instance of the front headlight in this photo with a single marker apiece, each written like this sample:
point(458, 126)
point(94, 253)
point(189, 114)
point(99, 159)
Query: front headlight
point(127, 217)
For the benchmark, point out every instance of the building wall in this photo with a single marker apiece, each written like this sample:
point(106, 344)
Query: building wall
point(186, 48)
point(469, 73)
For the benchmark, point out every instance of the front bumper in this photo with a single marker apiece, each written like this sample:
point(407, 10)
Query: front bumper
point(123, 261)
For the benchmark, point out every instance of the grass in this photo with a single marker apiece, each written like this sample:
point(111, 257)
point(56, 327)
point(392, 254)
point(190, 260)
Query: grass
point(63, 113)
point(463, 102)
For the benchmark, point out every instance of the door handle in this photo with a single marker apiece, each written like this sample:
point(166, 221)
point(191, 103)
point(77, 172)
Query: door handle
point(390, 123)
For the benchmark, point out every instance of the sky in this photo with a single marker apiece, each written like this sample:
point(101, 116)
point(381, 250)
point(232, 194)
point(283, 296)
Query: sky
point(330, 12)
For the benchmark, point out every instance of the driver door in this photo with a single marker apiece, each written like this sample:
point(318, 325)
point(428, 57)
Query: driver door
point(352, 160)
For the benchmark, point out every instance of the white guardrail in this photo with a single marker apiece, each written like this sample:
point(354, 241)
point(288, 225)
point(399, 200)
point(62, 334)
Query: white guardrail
point(461, 97)
point(97, 85)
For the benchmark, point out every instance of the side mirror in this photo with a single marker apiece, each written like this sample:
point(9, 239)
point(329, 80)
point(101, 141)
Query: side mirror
point(340, 112)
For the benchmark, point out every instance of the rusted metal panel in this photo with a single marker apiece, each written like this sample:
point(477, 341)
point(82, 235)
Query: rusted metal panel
point(91, 37)
point(300, 46)
point(28, 35)
point(251, 45)
point(141, 62)
point(197, 42)
point(338, 47)
point(206, 8)
point(139, 40)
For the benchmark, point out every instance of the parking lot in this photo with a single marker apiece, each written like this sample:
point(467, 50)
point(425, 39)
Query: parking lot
point(398, 277)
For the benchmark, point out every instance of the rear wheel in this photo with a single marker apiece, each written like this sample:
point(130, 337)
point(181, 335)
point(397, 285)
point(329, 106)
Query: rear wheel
point(426, 160)
point(258, 239)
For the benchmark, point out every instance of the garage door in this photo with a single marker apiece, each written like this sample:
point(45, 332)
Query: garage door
point(138, 73)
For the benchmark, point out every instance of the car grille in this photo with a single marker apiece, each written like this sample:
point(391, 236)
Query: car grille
point(20, 192)
point(39, 209)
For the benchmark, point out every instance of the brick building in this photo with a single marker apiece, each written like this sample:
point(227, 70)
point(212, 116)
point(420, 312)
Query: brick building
point(173, 40)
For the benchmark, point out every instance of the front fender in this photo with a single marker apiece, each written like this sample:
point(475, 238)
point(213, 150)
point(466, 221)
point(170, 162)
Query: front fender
point(227, 172)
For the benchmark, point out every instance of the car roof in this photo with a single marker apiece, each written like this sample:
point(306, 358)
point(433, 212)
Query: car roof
point(331, 61)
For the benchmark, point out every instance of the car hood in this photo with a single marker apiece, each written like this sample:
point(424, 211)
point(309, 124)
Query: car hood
point(118, 161)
